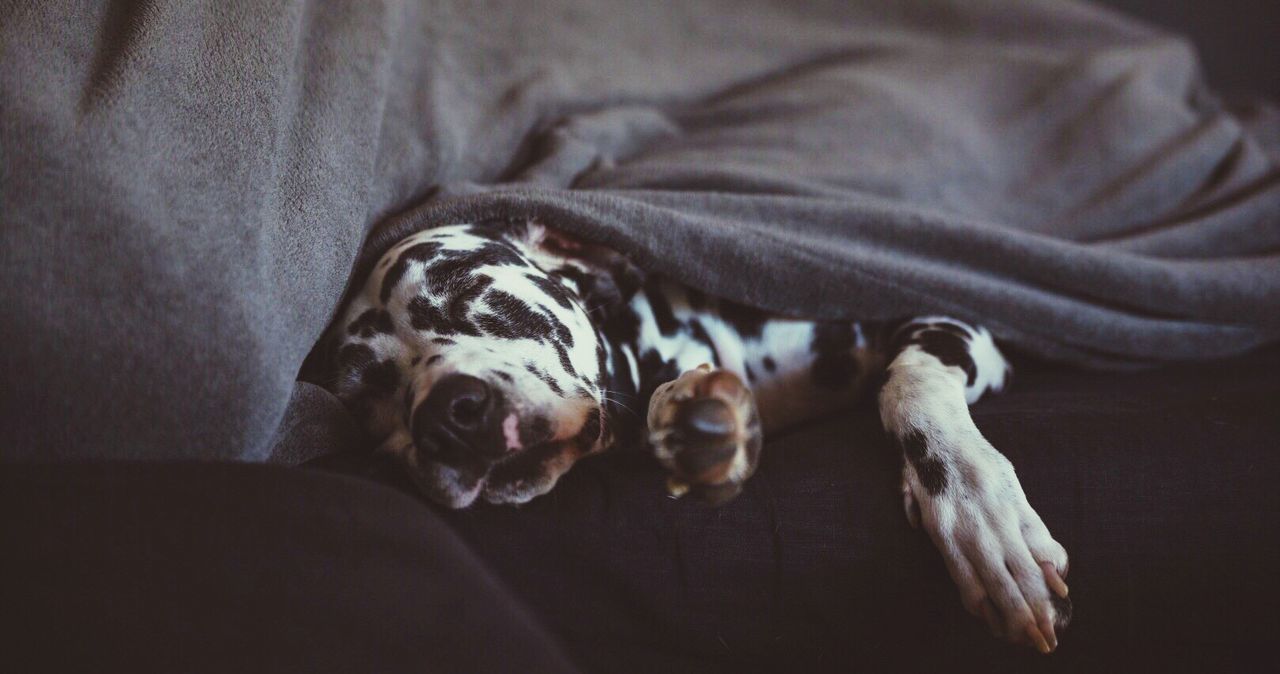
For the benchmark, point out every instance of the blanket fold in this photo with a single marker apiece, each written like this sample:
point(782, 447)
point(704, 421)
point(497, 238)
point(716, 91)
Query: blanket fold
point(186, 188)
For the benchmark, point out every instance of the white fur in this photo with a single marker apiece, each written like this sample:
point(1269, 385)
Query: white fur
point(991, 539)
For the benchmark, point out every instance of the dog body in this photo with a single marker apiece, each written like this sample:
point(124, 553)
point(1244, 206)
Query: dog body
point(490, 357)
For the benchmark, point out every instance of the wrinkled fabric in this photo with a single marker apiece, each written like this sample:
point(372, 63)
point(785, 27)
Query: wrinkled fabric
point(187, 187)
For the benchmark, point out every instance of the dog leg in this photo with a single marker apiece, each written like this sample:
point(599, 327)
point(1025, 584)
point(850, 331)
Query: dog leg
point(965, 494)
point(704, 429)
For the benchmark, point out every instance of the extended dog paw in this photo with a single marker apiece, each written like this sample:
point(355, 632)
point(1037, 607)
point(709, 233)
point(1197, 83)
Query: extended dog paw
point(704, 429)
point(1009, 569)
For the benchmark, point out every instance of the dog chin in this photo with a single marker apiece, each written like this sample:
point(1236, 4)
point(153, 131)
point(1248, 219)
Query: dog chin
point(446, 486)
point(457, 488)
point(441, 485)
point(516, 493)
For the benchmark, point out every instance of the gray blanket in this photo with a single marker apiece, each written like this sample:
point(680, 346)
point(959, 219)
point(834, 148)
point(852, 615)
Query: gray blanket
point(187, 186)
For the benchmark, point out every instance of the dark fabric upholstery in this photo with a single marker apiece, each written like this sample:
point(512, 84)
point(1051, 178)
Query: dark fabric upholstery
point(236, 568)
point(1162, 485)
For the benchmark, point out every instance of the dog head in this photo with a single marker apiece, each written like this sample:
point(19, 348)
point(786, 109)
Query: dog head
point(474, 353)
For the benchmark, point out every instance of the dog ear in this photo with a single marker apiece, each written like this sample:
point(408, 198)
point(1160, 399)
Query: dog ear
point(606, 279)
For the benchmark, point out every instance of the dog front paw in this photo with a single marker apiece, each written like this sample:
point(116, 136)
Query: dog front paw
point(1009, 569)
point(705, 431)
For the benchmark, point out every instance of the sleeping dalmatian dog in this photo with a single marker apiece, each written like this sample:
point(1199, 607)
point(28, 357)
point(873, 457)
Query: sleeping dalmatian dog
point(490, 357)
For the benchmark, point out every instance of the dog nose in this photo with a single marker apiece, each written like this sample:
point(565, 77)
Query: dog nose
point(460, 402)
point(462, 410)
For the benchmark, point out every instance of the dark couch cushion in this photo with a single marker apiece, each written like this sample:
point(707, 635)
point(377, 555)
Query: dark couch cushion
point(1161, 485)
point(237, 568)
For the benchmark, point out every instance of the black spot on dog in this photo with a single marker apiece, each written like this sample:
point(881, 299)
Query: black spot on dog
point(699, 333)
point(662, 312)
point(434, 359)
point(602, 358)
point(359, 365)
point(375, 388)
point(914, 445)
point(545, 378)
point(452, 266)
point(447, 274)
point(932, 474)
point(751, 374)
point(372, 322)
point(770, 364)
point(931, 471)
point(654, 372)
point(564, 359)
point(415, 360)
point(951, 328)
point(587, 436)
point(895, 332)
point(576, 276)
point(748, 321)
point(950, 349)
point(552, 289)
point(834, 367)
point(947, 342)
point(464, 292)
point(536, 432)
point(602, 293)
point(624, 406)
point(624, 325)
point(621, 382)
point(420, 252)
point(423, 315)
point(886, 336)
point(380, 380)
point(514, 318)
point(500, 251)
point(503, 376)
point(354, 357)
point(906, 332)
point(442, 340)
point(563, 334)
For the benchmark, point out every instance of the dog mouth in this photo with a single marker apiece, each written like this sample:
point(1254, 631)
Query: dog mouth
point(515, 478)
point(457, 490)
point(521, 456)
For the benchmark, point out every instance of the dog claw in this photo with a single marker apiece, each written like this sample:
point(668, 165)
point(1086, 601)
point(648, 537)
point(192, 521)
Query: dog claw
point(1038, 640)
point(1045, 628)
point(1055, 582)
